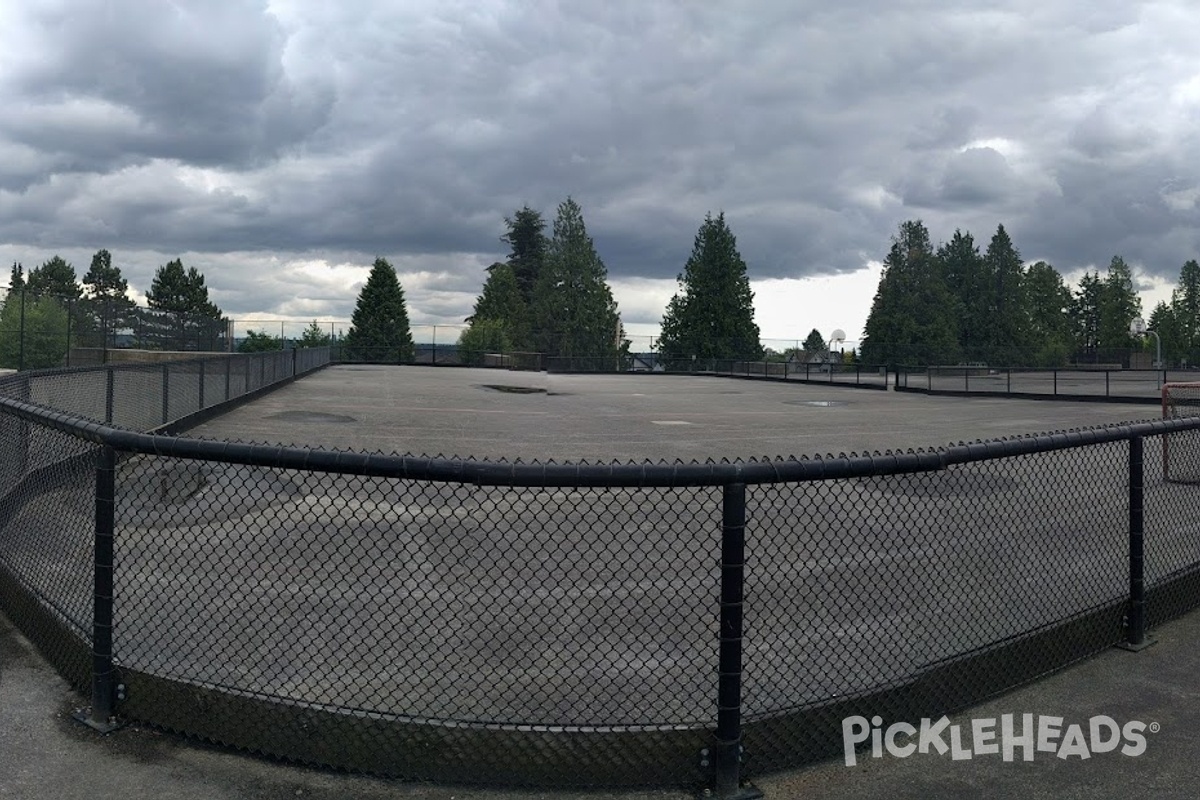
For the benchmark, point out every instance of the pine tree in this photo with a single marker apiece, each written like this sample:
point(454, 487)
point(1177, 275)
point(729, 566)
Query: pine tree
point(1185, 312)
point(16, 279)
point(110, 306)
point(1085, 311)
point(1007, 318)
point(379, 329)
point(55, 278)
point(574, 313)
point(500, 321)
point(181, 316)
point(963, 273)
point(1049, 310)
point(1119, 304)
point(1165, 323)
point(528, 244)
point(814, 342)
point(912, 315)
point(712, 314)
point(314, 336)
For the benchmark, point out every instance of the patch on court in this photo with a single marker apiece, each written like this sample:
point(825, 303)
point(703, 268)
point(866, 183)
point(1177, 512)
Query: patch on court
point(310, 416)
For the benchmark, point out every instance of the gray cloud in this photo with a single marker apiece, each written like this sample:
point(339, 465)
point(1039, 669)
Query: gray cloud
point(297, 131)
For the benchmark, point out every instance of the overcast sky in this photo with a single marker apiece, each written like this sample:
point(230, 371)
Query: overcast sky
point(280, 146)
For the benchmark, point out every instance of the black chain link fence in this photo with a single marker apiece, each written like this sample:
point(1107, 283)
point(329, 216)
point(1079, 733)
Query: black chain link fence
point(1109, 385)
point(563, 624)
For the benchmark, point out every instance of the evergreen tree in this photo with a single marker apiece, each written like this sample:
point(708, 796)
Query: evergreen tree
point(500, 304)
point(1185, 311)
point(484, 336)
point(1007, 321)
point(814, 342)
point(110, 306)
point(912, 315)
point(55, 278)
point(963, 273)
point(1165, 323)
point(574, 313)
point(379, 329)
point(180, 317)
point(1049, 312)
point(314, 336)
point(712, 314)
point(1085, 311)
point(16, 279)
point(1119, 304)
point(259, 342)
point(528, 244)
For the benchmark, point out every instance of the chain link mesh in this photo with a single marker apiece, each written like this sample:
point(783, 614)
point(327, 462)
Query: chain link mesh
point(558, 634)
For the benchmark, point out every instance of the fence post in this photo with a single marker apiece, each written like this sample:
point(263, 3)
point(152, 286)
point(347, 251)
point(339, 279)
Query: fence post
point(1135, 627)
point(166, 393)
point(100, 715)
point(109, 385)
point(21, 335)
point(727, 749)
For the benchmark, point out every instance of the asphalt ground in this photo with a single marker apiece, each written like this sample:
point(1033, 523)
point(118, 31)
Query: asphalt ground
point(626, 418)
point(453, 412)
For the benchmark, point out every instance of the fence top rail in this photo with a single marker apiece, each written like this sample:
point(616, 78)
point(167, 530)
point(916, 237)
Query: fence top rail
point(551, 474)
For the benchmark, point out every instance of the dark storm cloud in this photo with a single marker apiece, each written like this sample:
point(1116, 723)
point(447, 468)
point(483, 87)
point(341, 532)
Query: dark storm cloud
point(411, 130)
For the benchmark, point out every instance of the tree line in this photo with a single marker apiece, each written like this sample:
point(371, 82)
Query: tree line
point(551, 296)
point(951, 304)
point(955, 304)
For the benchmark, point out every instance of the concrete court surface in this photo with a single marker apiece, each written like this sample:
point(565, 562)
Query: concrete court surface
point(450, 411)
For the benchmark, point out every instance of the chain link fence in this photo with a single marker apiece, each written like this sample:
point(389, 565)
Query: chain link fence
point(566, 625)
point(1119, 385)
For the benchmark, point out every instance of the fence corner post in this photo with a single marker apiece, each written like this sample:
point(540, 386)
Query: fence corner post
point(101, 715)
point(1135, 620)
point(727, 744)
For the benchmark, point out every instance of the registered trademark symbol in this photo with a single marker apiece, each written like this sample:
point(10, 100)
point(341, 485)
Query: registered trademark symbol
point(1155, 727)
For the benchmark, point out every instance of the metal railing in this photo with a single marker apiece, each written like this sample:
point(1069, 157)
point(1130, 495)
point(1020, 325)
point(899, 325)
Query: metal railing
point(576, 624)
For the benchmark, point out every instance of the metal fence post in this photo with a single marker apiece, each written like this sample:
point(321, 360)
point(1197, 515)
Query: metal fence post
point(727, 749)
point(1135, 626)
point(166, 393)
point(109, 385)
point(100, 715)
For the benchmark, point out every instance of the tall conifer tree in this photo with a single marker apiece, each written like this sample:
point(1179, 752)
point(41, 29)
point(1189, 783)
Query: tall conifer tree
point(712, 314)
